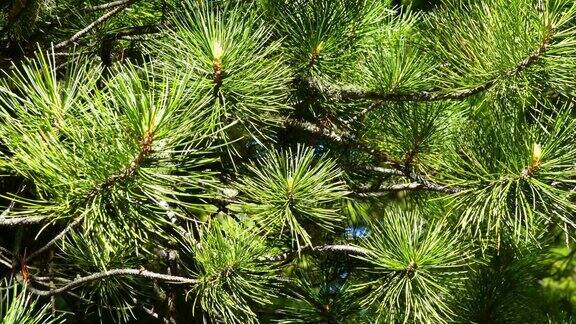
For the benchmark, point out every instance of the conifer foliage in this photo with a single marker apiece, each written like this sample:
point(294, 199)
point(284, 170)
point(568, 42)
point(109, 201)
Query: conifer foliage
point(306, 161)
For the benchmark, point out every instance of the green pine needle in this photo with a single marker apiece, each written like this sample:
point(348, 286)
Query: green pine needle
point(416, 267)
point(291, 189)
point(232, 282)
point(19, 307)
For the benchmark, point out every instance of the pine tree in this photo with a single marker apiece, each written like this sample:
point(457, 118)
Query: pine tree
point(288, 161)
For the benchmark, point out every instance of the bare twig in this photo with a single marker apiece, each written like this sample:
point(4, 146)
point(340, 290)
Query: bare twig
point(419, 182)
point(430, 185)
point(56, 238)
point(385, 190)
point(349, 249)
point(386, 171)
point(5, 257)
point(5, 262)
point(108, 5)
point(149, 311)
point(16, 221)
point(93, 25)
point(111, 273)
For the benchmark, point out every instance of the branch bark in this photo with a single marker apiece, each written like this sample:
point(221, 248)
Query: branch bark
point(385, 190)
point(93, 25)
point(17, 221)
point(349, 249)
point(111, 273)
point(386, 171)
point(56, 238)
point(349, 93)
point(108, 5)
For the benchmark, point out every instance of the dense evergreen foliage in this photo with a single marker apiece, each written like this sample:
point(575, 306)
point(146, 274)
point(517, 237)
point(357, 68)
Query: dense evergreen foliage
point(288, 161)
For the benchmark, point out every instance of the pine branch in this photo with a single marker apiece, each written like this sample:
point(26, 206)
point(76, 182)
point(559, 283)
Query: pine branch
point(397, 168)
point(349, 93)
point(349, 249)
point(385, 190)
point(355, 94)
point(418, 183)
point(17, 221)
point(382, 170)
point(432, 185)
point(111, 273)
point(343, 138)
point(56, 238)
point(108, 5)
point(93, 25)
point(129, 171)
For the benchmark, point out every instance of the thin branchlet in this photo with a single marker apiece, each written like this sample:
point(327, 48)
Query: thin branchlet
point(145, 150)
point(384, 191)
point(94, 24)
point(128, 172)
point(112, 273)
point(347, 94)
point(420, 183)
point(348, 249)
